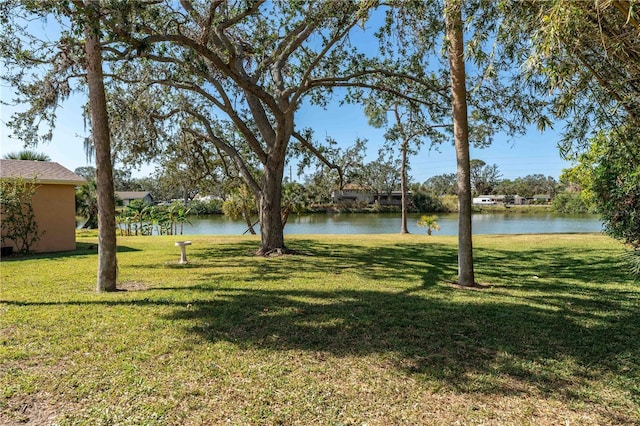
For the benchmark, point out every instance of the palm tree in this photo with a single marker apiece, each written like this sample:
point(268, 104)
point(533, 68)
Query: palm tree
point(429, 222)
point(87, 204)
point(182, 217)
point(27, 154)
point(241, 202)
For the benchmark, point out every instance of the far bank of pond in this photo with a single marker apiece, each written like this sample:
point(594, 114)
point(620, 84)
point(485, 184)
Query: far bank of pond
point(389, 223)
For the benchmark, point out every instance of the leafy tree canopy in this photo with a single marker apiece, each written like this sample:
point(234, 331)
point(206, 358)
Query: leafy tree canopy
point(586, 55)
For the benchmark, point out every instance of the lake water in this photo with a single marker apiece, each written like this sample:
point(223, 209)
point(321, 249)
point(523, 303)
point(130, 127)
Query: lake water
point(369, 223)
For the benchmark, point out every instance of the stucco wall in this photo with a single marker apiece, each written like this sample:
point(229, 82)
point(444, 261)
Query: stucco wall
point(55, 210)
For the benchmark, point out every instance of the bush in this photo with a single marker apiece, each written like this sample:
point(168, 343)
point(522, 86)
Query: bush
point(450, 203)
point(19, 221)
point(569, 202)
point(427, 203)
point(199, 207)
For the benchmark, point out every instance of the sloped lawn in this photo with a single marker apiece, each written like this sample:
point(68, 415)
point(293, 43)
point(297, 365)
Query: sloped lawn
point(355, 329)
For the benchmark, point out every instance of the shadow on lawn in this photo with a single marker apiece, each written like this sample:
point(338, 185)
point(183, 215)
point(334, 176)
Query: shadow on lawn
point(441, 339)
point(426, 264)
point(554, 334)
point(519, 328)
point(82, 249)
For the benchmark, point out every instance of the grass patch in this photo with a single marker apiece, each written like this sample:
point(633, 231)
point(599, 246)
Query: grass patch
point(352, 330)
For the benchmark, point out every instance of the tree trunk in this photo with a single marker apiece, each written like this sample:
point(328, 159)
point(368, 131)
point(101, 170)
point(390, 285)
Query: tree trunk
point(403, 188)
point(271, 228)
point(107, 263)
point(247, 218)
point(453, 18)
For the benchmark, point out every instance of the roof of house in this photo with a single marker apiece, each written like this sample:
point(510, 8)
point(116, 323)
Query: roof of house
point(45, 172)
point(132, 195)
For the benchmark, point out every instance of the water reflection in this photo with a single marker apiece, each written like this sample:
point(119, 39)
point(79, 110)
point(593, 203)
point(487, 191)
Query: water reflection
point(357, 223)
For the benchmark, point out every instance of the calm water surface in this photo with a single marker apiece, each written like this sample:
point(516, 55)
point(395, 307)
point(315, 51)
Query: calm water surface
point(357, 223)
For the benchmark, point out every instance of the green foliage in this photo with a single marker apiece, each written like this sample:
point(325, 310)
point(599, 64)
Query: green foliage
point(240, 202)
point(19, 225)
point(429, 222)
point(88, 172)
point(294, 199)
point(527, 186)
point(334, 167)
point(632, 259)
point(609, 175)
point(571, 203)
point(139, 218)
point(616, 184)
point(585, 54)
point(203, 207)
point(484, 177)
point(450, 203)
point(427, 203)
point(87, 203)
point(445, 184)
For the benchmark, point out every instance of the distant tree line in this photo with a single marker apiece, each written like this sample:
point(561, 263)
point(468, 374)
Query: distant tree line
point(315, 194)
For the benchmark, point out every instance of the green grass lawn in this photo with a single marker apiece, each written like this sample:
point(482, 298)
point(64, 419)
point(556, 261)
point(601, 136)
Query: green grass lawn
point(356, 329)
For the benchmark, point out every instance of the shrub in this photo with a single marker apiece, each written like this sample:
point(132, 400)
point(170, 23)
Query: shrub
point(18, 218)
point(200, 207)
point(569, 202)
point(427, 203)
point(450, 203)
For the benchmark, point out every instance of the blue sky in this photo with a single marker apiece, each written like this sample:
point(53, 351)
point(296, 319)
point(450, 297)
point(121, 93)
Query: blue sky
point(532, 153)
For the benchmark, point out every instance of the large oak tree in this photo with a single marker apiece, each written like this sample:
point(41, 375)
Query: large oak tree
point(251, 65)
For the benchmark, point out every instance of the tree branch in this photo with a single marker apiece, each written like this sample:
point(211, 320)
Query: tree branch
point(305, 143)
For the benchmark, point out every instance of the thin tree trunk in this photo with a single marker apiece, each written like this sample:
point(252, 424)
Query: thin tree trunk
point(453, 18)
point(107, 262)
point(403, 187)
point(247, 218)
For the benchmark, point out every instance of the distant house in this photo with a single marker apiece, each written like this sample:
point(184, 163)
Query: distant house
point(128, 196)
point(54, 202)
point(352, 193)
point(541, 198)
point(392, 199)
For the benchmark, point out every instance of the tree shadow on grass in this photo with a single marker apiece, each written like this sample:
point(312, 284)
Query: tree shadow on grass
point(455, 344)
point(553, 335)
point(426, 264)
point(520, 328)
point(82, 249)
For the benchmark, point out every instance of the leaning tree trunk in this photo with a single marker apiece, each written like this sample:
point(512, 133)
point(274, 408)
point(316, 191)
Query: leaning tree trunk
point(403, 188)
point(107, 263)
point(453, 18)
point(246, 214)
point(271, 227)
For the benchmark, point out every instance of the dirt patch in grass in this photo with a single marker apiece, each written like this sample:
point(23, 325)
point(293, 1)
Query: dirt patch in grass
point(29, 410)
